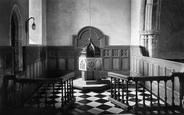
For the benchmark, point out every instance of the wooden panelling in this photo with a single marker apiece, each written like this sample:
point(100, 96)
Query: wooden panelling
point(71, 64)
point(45, 64)
point(141, 67)
point(106, 64)
point(115, 58)
point(52, 63)
point(116, 64)
point(154, 66)
point(28, 72)
point(62, 60)
point(157, 67)
point(35, 60)
point(106, 53)
point(65, 58)
point(137, 66)
point(35, 69)
point(32, 70)
point(115, 53)
point(61, 64)
point(6, 58)
point(125, 63)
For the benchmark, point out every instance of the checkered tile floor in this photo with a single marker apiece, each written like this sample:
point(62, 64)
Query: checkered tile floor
point(87, 102)
point(93, 103)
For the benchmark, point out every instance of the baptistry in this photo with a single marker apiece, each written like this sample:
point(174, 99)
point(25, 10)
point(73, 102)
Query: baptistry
point(90, 63)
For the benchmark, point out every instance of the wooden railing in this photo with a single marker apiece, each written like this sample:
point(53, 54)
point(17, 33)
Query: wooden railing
point(170, 104)
point(20, 97)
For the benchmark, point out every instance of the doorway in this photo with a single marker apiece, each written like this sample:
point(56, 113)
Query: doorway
point(16, 42)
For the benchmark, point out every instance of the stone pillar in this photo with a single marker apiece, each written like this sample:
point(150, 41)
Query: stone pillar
point(150, 38)
point(148, 16)
point(150, 26)
point(148, 41)
point(142, 15)
point(141, 40)
point(150, 44)
point(158, 11)
point(146, 45)
point(154, 46)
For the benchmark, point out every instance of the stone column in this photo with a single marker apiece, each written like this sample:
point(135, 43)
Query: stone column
point(146, 45)
point(154, 46)
point(141, 40)
point(148, 16)
point(150, 44)
point(148, 41)
point(150, 38)
point(158, 11)
point(149, 28)
point(142, 15)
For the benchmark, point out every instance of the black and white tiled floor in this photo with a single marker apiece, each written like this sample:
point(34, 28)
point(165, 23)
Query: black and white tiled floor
point(93, 103)
point(87, 102)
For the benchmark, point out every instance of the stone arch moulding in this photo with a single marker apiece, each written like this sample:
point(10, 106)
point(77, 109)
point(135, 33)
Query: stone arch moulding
point(17, 39)
point(16, 11)
point(87, 32)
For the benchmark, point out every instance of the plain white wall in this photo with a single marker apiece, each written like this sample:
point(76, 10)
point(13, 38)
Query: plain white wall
point(66, 17)
point(35, 10)
point(135, 21)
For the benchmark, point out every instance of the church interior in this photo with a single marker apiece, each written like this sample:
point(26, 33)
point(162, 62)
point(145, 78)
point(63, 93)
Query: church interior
point(91, 57)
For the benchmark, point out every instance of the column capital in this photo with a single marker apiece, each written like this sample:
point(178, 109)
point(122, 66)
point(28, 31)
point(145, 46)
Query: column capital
point(149, 32)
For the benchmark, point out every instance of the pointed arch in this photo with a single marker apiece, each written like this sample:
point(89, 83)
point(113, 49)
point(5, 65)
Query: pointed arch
point(16, 12)
point(16, 31)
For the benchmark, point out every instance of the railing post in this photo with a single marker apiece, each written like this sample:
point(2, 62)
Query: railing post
point(115, 88)
point(136, 98)
point(111, 87)
point(118, 89)
point(22, 99)
point(173, 97)
point(166, 97)
point(72, 89)
point(38, 96)
point(158, 98)
point(122, 87)
point(62, 94)
point(181, 80)
point(5, 82)
point(68, 97)
point(144, 105)
point(14, 92)
point(151, 97)
point(127, 92)
point(53, 99)
point(45, 95)
point(65, 96)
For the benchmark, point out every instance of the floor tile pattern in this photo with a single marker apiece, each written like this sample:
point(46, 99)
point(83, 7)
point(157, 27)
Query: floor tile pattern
point(87, 102)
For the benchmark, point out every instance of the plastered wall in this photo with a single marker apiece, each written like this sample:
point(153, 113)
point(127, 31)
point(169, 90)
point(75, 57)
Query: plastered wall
point(66, 17)
point(171, 37)
point(35, 10)
point(6, 7)
point(135, 21)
